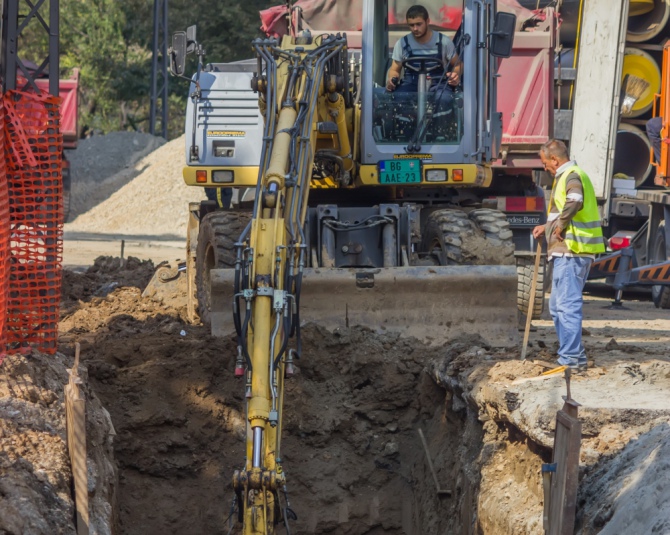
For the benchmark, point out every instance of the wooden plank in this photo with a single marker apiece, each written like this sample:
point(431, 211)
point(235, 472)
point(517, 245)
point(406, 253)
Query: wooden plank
point(75, 416)
point(564, 482)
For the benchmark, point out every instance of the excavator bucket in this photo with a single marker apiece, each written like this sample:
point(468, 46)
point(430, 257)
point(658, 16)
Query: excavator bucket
point(433, 304)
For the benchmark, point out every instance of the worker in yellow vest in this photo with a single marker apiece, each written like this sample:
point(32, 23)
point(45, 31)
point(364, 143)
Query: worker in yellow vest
point(574, 236)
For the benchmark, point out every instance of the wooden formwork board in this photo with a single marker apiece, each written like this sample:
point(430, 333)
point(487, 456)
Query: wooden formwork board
point(565, 480)
point(75, 416)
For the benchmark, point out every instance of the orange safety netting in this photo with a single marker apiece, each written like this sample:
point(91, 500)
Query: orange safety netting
point(4, 240)
point(33, 156)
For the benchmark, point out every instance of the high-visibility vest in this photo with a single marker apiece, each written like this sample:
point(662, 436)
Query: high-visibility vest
point(583, 235)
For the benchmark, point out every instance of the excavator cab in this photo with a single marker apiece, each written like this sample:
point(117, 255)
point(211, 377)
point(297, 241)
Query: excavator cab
point(439, 123)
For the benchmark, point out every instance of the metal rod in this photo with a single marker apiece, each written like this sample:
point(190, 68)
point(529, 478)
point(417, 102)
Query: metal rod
point(422, 99)
point(430, 465)
point(54, 52)
point(258, 443)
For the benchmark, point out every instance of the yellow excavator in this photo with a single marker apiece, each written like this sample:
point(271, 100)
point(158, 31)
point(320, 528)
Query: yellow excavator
point(351, 205)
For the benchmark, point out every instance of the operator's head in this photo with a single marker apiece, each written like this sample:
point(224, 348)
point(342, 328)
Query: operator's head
point(554, 153)
point(418, 21)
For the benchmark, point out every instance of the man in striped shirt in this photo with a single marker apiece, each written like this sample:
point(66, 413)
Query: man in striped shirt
point(574, 237)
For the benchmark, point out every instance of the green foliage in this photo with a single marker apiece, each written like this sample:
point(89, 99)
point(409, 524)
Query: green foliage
point(111, 41)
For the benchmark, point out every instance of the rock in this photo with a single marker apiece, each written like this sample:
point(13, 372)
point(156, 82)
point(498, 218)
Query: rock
point(612, 345)
point(390, 449)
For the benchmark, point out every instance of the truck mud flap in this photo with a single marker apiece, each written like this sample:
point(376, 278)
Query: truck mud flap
point(433, 304)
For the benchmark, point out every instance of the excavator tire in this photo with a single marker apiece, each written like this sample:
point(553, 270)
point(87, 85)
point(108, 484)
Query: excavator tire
point(218, 233)
point(444, 234)
point(660, 294)
point(497, 231)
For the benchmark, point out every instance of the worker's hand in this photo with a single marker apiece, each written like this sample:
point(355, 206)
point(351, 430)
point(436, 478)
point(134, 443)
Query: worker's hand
point(558, 234)
point(391, 85)
point(453, 78)
point(538, 232)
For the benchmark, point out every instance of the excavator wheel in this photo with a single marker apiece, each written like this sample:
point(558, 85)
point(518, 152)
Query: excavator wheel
point(219, 231)
point(496, 229)
point(444, 234)
point(660, 294)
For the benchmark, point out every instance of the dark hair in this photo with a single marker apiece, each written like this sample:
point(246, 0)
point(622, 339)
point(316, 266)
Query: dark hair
point(417, 11)
point(555, 147)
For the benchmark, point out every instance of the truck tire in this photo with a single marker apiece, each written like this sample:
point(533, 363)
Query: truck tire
point(525, 265)
point(443, 236)
point(660, 294)
point(495, 226)
point(218, 233)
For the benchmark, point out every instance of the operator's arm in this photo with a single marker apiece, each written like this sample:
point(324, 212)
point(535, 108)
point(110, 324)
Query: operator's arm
point(573, 204)
point(455, 70)
point(394, 72)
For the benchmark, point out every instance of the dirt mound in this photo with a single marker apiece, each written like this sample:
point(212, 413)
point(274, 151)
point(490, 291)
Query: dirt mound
point(153, 203)
point(106, 274)
point(633, 489)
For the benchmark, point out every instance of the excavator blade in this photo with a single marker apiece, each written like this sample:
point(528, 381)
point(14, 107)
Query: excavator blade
point(433, 304)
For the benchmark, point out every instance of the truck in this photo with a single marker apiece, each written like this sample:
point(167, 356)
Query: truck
point(643, 259)
point(359, 206)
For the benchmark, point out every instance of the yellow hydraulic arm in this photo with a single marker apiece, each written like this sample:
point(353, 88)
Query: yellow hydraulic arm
point(302, 92)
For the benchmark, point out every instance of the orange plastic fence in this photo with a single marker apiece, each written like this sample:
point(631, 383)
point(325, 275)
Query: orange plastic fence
point(34, 148)
point(4, 239)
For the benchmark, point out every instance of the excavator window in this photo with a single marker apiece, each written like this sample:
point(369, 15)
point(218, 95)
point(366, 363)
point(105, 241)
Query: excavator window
point(432, 112)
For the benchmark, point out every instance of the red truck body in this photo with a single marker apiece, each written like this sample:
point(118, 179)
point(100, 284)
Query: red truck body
point(68, 90)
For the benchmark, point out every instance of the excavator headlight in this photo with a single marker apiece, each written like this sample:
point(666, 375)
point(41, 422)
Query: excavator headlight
point(201, 176)
point(458, 175)
point(436, 175)
point(222, 177)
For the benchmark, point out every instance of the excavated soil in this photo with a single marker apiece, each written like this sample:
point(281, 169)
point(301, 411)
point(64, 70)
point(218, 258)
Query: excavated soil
point(351, 449)
point(353, 457)
point(352, 453)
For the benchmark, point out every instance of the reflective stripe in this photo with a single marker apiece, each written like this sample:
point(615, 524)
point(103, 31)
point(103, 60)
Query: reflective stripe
point(584, 239)
point(575, 197)
point(553, 215)
point(585, 225)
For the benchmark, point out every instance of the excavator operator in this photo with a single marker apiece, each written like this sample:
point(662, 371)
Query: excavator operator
point(423, 42)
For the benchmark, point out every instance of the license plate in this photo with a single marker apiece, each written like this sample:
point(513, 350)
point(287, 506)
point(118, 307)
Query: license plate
point(399, 171)
point(523, 220)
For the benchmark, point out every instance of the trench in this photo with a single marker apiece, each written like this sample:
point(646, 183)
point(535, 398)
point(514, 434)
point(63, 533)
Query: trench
point(351, 448)
point(352, 453)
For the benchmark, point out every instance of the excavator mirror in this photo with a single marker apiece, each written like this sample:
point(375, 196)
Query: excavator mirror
point(190, 39)
point(502, 37)
point(178, 54)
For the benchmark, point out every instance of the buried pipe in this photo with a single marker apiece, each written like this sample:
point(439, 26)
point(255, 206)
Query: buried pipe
point(639, 63)
point(645, 21)
point(636, 62)
point(632, 156)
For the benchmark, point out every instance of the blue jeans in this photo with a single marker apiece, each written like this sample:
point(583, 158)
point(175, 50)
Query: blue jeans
point(565, 306)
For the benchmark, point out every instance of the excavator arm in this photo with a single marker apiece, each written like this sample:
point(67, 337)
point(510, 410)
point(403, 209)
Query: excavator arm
point(301, 88)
